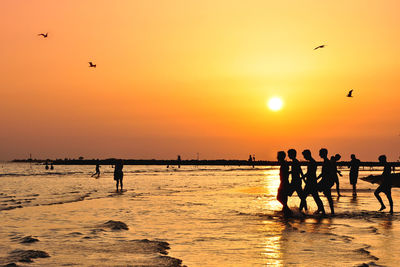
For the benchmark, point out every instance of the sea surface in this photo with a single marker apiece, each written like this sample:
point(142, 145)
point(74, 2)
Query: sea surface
point(209, 216)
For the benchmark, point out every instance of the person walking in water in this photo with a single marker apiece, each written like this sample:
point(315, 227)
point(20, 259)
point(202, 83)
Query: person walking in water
point(118, 173)
point(386, 185)
point(296, 181)
point(284, 185)
point(97, 172)
point(335, 172)
point(311, 181)
point(354, 167)
point(326, 182)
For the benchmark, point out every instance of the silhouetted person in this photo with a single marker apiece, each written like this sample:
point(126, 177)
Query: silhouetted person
point(97, 171)
point(386, 184)
point(297, 174)
point(51, 166)
point(179, 161)
point(311, 187)
point(118, 173)
point(335, 172)
point(354, 167)
point(284, 185)
point(47, 166)
point(326, 178)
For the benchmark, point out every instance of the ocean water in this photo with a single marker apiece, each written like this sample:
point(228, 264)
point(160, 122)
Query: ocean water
point(209, 215)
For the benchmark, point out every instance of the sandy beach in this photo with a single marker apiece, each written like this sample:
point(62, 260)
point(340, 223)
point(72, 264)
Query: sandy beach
point(208, 216)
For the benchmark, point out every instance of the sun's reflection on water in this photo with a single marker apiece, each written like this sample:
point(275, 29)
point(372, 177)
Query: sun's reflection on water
point(271, 184)
point(272, 252)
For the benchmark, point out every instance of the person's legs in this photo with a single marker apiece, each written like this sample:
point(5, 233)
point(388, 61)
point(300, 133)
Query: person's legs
point(376, 193)
point(282, 197)
point(117, 184)
point(337, 188)
point(121, 184)
point(328, 195)
point(354, 190)
point(389, 197)
point(302, 196)
point(319, 203)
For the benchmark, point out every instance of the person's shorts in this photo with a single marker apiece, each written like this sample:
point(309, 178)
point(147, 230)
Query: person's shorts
point(118, 176)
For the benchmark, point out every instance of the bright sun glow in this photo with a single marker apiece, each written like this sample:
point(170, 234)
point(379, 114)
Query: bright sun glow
point(275, 103)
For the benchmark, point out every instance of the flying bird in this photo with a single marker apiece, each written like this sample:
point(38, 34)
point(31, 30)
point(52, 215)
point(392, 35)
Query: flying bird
point(318, 47)
point(43, 34)
point(350, 94)
point(91, 65)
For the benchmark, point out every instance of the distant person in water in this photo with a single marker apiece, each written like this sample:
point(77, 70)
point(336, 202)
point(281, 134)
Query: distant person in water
point(284, 185)
point(118, 173)
point(354, 167)
point(386, 185)
point(326, 182)
point(97, 171)
point(296, 181)
point(51, 166)
point(335, 172)
point(311, 181)
point(47, 166)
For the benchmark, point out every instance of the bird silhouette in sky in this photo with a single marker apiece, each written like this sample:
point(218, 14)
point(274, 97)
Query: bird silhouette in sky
point(318, 47)
point(350, 94)
point(91, 65)
point(44, 34)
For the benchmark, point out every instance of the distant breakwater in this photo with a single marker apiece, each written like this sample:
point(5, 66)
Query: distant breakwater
point(193, 162)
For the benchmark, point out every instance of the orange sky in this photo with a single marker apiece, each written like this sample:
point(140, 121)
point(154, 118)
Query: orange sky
point(181, 77)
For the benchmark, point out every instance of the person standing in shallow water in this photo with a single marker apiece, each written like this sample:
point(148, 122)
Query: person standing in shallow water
point(283, 189)
point(311, 181)
point(326, 182)
point(354, 167)
point(296, 182)
point(118, 173)
point(97, 170)
point(335, 172)
point(386, 185)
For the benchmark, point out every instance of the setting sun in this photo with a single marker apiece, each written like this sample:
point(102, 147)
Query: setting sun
point(275, 103)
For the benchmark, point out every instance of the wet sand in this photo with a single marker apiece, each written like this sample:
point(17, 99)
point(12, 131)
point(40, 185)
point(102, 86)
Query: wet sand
point(72, 236)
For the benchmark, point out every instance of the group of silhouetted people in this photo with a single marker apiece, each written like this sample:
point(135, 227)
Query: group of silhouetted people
point(324, 181)
point(47, 166)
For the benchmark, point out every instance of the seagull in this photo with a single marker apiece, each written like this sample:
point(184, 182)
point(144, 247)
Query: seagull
point(350, 93)
point(91, 65)
point(321, 46)
point(44, 35)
